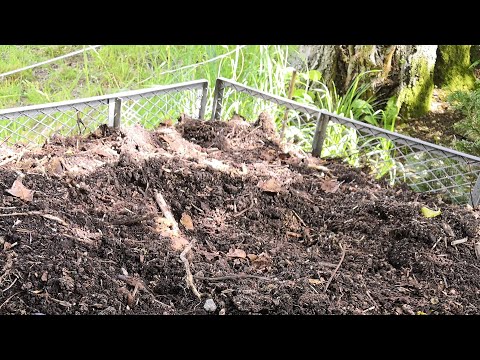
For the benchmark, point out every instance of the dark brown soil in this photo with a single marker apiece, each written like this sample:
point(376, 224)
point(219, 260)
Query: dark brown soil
point(272, 232)
point(434, 127)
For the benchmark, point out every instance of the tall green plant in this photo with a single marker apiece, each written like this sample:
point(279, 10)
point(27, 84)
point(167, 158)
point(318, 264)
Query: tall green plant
point(342, 141)
point(468, 104)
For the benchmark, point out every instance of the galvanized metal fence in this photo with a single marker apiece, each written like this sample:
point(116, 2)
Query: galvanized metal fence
point(35, 124)
point(424, 166)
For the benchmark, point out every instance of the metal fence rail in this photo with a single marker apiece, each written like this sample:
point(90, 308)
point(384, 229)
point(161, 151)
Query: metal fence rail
point(35, 124)
point(424, 166)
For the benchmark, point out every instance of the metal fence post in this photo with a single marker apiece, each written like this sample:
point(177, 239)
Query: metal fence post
point(475, 200)
point(114, 110)
point(217, 100)
point(203, 101)
point(319, 137)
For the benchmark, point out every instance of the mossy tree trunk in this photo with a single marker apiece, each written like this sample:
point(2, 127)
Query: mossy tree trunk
point(405, 71)
point(452, 69)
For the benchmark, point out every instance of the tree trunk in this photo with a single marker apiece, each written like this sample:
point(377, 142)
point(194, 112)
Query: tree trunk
point(452, 70)
point(405, 71)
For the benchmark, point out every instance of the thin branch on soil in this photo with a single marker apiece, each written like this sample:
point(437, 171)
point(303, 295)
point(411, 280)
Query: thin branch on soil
point(46, 216)
point(4, 141)
point(6, 301)
point(196, 207)
point(133, 220)
point(139, 285)
point(344, 250)
point(459, 241)
point(299, 218)
point(9, 286)
point(244, 210)
point(89, 242)
point(189, 277)
point(436, 243)
point(165, 210)
point(326, 264)
point(233, 277)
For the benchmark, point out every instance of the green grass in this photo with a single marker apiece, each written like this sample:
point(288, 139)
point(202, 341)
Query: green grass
point(114, 68)
point(110, 69)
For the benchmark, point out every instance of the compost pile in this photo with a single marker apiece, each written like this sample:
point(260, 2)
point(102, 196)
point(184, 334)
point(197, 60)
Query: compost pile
point(209, 217)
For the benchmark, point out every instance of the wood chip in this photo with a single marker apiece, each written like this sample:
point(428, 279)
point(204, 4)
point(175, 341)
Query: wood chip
point(293, 234)
point(477, 249)
point(186, 221)
point(448, 229)
point(237, 253)
point(459, 241)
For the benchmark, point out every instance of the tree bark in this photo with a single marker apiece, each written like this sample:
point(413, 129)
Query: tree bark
point(452, 69)
point(405, 71)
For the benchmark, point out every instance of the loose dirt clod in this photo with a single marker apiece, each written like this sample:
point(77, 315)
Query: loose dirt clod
point(219, 210)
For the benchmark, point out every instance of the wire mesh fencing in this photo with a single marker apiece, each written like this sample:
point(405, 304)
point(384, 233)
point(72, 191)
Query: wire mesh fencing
point(147, 107)
point(424, 166)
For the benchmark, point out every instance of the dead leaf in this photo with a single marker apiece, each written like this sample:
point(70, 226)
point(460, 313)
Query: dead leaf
point(330, 186)
point(20, 191)
point(262, 261)
point(252, 257)
point(270, 185)
point(44, 277)
point(132, 281)
point(104, 151)
point(209, 255)
point(142, 258)
point(477, 249)
point(179, 242)
point(237, 253)
point(55, 166)
point(448, 229)
point(7, 246)
point(186, 221)
point(315, 281)
point(168, 122)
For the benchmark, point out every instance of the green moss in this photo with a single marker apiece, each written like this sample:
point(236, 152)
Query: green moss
point(415, 99)
point(452, 70)
point(475, 54)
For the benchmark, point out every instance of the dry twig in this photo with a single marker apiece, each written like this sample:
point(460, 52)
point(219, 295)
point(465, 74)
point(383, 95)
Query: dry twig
point(244, 210)
point(165, 210)
point(344, 249)
point(299, 218)
point(189, 277)
point(233, 277)
point(132, 220)
point(46, 216)
point(6, 301)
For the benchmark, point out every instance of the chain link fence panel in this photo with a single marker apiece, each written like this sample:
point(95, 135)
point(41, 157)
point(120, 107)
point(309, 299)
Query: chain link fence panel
point(147, 107)
point(424, 166)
